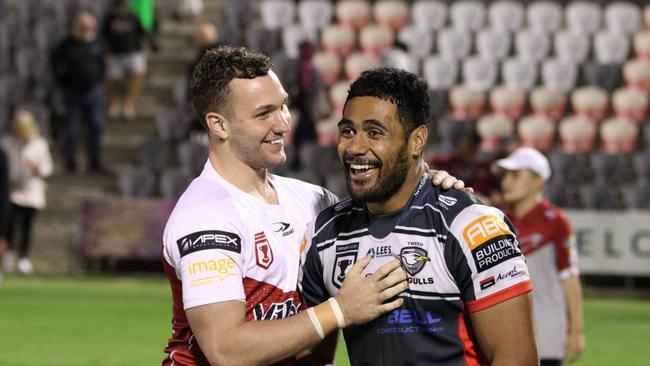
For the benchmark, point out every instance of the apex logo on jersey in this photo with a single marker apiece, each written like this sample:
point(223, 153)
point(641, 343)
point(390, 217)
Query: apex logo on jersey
point(342, 264)
point(210, 239)
point(413, 259)
point(263, 252)
point(483, 229)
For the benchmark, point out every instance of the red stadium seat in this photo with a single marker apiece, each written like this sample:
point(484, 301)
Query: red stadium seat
point(375, 39)
point(391, 14)
point(359, 62)
point(630, 103)
point(590, 102)
point(577, 134)
point(328, 66)
point(494, 130)
point(619, 135)
point(353, 13)
point(537, 132)
point(548, 102)
point(338, 39)
point(508, 102)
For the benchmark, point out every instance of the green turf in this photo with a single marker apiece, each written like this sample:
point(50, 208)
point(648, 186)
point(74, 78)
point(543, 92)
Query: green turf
point(126, 321)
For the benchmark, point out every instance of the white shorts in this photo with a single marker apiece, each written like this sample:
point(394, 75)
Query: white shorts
point(121, 66)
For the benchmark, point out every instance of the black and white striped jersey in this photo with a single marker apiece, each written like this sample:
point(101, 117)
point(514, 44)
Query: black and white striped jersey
point(460, 255)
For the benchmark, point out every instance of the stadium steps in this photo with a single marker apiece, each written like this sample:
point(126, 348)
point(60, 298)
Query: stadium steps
point(56, 247)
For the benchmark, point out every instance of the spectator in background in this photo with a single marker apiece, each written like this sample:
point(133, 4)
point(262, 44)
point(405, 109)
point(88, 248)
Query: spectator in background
point(205, 38)
point(548, 243)
point(29, 162)
point(79, 66)
point(189, 9)
point(4, 208)
point(124, 34)
point(307, 98)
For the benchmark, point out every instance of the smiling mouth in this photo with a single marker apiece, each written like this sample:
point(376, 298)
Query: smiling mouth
point(277, 141)
point(362, 171)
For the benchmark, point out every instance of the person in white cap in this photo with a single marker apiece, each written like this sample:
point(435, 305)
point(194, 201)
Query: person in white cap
point(546, 239)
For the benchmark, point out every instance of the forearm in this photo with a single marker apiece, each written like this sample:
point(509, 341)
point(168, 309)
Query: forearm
point(573, 296)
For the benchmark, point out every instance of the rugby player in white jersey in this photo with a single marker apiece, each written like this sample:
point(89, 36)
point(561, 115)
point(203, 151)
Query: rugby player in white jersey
point(231, 246)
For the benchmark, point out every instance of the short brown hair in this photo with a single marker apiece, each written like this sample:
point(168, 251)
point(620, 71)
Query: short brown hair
point(209, 91)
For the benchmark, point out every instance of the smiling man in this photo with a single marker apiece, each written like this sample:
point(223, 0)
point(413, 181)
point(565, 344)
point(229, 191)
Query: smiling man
point(467, 301)
point(231, 247)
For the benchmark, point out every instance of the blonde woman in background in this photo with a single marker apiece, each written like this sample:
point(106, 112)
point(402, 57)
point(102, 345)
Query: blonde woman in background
point(29, 163)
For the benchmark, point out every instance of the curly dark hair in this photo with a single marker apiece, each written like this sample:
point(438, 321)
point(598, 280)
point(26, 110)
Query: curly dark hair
point(406, 90)
point(209, 91)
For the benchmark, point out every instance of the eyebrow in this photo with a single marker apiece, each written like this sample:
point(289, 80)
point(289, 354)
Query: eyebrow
point(372, 122)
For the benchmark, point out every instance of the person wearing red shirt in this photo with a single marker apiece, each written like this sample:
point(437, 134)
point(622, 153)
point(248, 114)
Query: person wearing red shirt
point(547, 241)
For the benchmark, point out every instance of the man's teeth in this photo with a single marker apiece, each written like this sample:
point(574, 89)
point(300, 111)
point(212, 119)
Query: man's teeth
point(276, 141)
point(360, 166)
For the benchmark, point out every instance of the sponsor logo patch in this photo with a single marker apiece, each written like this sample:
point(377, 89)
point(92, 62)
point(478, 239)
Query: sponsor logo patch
point(211, 239)
point(342, 264)
point(263, 252)
point(409, 321)
point(494, 251)
point(413, 259)
point(283, 227)
point(487, 283)
point(210, 271)
point(512, 274)
point(380, 251)
point(276, 310)
point(347, 247)
point(483, 229)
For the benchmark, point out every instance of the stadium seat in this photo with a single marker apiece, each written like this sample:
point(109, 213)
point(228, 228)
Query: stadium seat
point(611, 47)
point(171, 125)
point(506, 15)
point(638, 196)
point(418, 41)
point(519, 74)
point(239, 13)
point(493, 44)
point(155, 154)
point(646, 17)
point(591, 102)
point(544, 16)
point(466, 104)
point(358, 62)
point(277, 14)
point(570, 167)
point(602, 197)
point(623, 17)
point(173, 183)
point(612, 168)
point(338, 93)
point(532, 46)
point(641, 161)
point(339, 39)
point(630, 103)
point(391, 14)
point(440, 73)
point(571, 46)
point(636, 74)
point(583, 16)
point(548, 102)
point(467, 15)
point(642, 45)
point(327, 130)
point(479, 74)
point(136, 182)
point(429, 15)
point(508, 102)
point(261, 39)
point(619, 135)
point(315, 15)
point(496, 132)
point(454, 44)
point(285, 68)
point(560, 75)
point(353, 13)
point(292, 36)
point(401, 59)
point(191, 157)
point(328, 66)
point(577, 134)
point(645, 132)
point(375, 39)
point(537, 132)
point(606, 76)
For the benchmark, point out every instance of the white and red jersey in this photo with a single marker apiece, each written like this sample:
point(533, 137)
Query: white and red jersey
point(221, 244)
point(547, 242)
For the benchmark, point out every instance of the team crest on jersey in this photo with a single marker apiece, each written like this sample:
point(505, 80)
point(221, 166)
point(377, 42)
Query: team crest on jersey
point(263, 252)
point(342, 265)
point(413, 259)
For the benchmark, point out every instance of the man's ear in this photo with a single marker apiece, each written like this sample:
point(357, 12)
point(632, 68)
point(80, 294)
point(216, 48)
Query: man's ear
point(218, 125)
point(418, 141)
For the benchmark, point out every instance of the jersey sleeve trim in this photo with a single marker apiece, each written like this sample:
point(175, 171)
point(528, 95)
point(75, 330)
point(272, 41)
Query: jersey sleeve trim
point(499, 297)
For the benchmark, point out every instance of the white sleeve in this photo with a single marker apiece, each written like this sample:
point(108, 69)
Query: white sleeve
point(206, 252)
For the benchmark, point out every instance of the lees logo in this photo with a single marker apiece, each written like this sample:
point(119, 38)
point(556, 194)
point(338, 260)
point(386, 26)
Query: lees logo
point(483, 229)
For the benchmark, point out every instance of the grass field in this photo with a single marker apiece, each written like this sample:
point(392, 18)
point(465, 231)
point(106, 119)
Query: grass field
point(102, 321)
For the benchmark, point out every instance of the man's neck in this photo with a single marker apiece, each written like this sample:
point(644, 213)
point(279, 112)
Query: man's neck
point(249, 180)
point(398, 200)
point(523, 207)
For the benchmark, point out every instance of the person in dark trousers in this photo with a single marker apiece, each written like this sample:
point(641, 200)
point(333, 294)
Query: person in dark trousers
point(79, 66)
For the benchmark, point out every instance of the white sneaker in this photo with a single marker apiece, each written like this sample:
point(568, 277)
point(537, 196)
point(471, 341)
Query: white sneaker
point(9, 261)
point(25, 266)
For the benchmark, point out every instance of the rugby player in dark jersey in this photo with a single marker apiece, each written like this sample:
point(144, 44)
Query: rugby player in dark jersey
point(467, 301)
